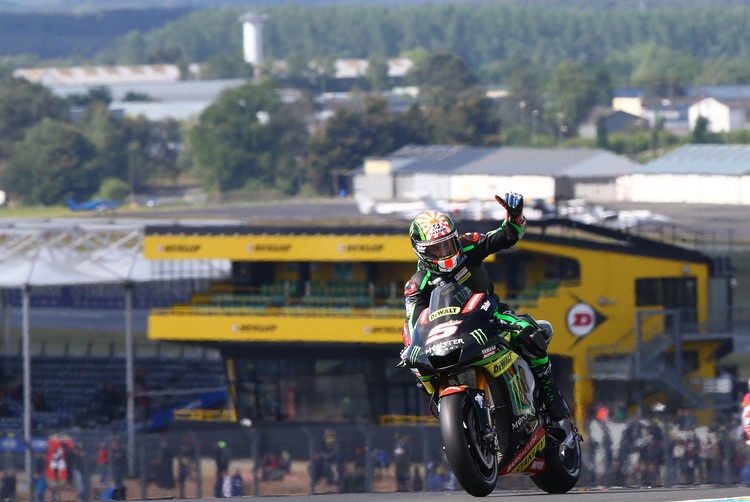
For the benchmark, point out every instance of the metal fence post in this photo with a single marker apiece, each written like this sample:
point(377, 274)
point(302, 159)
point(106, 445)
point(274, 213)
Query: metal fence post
point(727, 460)
point(369, 468)
point(425, 454)
point(669, 463)
point(311, 458)
point(143, 471)
point(198, 469)
point(255, 451)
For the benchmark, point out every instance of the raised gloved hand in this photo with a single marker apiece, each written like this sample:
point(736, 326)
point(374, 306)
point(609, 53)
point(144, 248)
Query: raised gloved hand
point(513, 204)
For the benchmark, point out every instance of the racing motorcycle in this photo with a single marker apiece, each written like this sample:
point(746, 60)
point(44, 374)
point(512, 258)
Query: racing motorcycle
point(492, 421)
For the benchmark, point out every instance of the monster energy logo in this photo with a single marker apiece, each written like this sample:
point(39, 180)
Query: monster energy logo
point(479, 336)
point(414, 353)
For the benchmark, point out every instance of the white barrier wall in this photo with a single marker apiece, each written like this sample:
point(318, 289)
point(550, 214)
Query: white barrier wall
point(485, 187)
point(687, 188)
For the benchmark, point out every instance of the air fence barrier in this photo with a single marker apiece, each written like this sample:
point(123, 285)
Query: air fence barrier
point(287, 459)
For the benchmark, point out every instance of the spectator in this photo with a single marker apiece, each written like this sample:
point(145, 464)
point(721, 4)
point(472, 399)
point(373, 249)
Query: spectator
point(601, 445)
point(381, 462)
point(616, 474)
point(316, 470)
point(331, 456)
point(652, 458)
point(187, 451)
point(226, 485)
point(285, 463)
point(77, 469)
point(271, 468)
point(182, 475)
point(102, 462)
point(402, 469)
point(118, 462)
point(219, 484)
point(222, 457)
point(68, 454)
point(417, 484)
point(8, 486)
point(57, 464)
point(166, 466)
point(41, 488)
point(238, 489)
point(711, 458)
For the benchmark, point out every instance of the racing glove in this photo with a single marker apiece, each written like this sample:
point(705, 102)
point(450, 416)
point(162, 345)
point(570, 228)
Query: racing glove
point(513, 204)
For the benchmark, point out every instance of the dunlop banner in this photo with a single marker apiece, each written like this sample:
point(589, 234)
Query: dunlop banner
point(274, 329)
point(279, 247)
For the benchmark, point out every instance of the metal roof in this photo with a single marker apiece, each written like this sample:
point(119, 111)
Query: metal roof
point(509, 161)
point(60, 252)
point(727, 160)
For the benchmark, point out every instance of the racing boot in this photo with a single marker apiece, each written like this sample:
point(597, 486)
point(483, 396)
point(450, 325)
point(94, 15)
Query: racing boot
point(548, 392)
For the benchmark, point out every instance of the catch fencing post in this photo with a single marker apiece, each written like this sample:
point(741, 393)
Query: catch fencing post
point(425, 452)
point(143, 470)
point(198, 468)
point(311, 458)
point(368, 458)
point(255, 450)
point(727, 461)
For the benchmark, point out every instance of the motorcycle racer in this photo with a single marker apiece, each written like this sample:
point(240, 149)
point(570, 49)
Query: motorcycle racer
point(444, 255)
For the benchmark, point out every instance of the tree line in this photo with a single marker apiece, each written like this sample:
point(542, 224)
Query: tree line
point(554, 63)
point(665, 46)
point(657, 48)
point(251, 141)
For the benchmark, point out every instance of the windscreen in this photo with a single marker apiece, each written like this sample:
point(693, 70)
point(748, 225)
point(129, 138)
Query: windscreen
point(449, 294)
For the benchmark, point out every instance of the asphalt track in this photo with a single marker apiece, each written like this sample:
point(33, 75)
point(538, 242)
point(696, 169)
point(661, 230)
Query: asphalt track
point(675, 494)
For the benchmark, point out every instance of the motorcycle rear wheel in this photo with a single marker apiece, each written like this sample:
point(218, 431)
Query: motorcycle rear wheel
point(563, 465)
point(473, 464)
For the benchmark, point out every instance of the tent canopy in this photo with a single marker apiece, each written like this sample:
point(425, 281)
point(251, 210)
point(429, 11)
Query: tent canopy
point(69, 252)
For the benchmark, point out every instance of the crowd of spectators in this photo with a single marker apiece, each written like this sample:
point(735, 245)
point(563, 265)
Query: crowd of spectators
point(622, 449)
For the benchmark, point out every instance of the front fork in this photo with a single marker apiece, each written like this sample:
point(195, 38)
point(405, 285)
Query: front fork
point(488, 434)
point(478, 397)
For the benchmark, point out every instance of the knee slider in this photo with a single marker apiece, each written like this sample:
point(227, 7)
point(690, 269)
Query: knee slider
point(533, 343)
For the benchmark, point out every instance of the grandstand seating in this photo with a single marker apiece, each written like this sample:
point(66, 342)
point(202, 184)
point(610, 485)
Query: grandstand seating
point(332, 297)
point(336, 296)
point(70, 385)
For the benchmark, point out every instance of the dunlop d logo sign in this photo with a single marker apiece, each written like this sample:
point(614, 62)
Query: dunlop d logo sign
point(445, 311)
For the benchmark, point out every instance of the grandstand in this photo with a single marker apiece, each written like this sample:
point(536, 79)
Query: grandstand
point(75, 391)
point(309, 323)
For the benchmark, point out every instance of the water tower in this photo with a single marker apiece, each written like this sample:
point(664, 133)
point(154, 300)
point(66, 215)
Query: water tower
point(252, 37)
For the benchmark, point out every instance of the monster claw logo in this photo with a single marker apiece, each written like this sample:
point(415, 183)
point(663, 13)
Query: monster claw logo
point(414, 353)
point(479, 336)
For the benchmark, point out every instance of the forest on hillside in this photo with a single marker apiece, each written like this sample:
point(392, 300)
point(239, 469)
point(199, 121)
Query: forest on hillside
point(703, 44)
point(94, 5)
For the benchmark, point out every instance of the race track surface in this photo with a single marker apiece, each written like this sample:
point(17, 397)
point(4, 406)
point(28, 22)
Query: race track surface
point(674, 494)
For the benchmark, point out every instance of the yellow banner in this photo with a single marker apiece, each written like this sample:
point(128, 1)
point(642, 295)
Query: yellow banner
point(275, 329)
point(279, 247)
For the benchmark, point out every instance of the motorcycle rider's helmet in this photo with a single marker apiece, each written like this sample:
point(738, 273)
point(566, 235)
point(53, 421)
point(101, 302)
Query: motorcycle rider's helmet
point(435, 241)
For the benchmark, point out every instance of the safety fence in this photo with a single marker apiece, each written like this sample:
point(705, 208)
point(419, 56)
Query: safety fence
point(215, 459)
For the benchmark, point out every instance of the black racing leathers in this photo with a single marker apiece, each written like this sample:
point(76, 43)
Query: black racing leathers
point(470, 271)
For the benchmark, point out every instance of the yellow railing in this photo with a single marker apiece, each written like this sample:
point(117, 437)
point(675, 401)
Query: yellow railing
point(201, 310)
point(205, 415)
point(408, 420)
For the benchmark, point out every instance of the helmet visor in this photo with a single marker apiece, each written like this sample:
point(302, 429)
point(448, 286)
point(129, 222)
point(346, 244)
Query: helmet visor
point(442, 249)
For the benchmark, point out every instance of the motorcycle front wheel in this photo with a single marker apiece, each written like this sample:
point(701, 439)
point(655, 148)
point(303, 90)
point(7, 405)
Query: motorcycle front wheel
point(473, 463)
